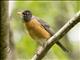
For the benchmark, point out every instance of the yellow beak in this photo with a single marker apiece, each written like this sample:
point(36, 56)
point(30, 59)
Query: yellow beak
point(19, 13)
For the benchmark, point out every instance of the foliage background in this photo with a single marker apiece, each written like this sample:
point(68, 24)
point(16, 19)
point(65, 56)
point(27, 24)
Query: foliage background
point(56, 14)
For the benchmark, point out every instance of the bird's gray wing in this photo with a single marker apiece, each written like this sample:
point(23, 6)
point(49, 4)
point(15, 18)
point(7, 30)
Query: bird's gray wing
point(46, 26)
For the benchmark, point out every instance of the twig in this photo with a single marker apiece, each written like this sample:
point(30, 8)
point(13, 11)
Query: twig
point(70, 24)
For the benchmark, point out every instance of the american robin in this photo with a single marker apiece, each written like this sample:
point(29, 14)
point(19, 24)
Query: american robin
point(39, 30)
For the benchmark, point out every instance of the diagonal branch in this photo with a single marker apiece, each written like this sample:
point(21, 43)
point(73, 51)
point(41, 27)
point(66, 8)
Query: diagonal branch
point(70, 24)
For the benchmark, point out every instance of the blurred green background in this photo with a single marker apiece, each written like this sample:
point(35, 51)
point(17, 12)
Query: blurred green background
point(56, 14)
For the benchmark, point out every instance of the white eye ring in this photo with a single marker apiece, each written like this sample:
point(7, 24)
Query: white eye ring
point(27, 13)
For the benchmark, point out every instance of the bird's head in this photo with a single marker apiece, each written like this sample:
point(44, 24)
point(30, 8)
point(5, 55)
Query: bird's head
point(26, 15)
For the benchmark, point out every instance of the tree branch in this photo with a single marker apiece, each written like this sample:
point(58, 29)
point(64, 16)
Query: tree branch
point(70, 24)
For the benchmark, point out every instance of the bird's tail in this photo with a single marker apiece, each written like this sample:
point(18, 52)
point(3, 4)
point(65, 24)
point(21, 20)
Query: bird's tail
point(62, 47)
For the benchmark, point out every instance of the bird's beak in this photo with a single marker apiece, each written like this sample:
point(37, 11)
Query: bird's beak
point(19, 13)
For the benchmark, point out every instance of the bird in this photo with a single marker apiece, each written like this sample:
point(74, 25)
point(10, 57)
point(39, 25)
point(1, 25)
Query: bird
point(39, 30)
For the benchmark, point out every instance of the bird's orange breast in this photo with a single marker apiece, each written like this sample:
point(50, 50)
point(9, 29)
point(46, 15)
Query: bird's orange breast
point(36, 30)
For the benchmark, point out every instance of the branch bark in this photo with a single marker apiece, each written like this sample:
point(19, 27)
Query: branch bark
point(70, 24)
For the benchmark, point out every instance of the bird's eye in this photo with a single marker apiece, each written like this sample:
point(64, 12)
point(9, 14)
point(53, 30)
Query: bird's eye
point(23, 13)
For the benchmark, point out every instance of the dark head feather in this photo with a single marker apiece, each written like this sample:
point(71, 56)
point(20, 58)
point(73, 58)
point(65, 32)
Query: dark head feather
point(27, 15)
